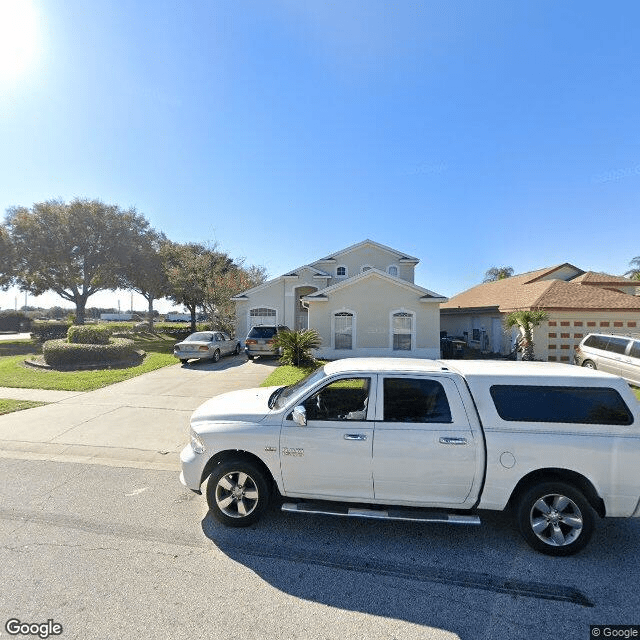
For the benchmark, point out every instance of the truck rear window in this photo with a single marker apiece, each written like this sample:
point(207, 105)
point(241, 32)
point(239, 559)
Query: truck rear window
point(584, 405)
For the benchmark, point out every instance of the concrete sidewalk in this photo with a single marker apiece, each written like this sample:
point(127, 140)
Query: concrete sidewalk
point(142, 422)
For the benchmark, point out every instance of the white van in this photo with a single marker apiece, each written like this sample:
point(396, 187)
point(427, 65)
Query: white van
point(619, 355)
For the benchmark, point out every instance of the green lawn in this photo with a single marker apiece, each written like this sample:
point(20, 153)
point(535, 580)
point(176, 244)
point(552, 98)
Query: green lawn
point(286, 375)
point(636, 390)
point(7, 406)
point(13, 372)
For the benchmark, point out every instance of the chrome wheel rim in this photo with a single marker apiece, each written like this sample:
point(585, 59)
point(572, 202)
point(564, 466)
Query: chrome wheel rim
point(556, 520)
point(237, 494)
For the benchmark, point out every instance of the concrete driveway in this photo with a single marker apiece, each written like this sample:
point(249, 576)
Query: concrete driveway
point(142, 422)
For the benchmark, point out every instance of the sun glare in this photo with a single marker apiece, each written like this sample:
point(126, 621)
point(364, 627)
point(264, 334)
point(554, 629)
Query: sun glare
point(18, 31)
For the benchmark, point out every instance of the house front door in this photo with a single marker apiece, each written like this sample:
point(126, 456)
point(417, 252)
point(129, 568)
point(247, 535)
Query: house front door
point(302, 312)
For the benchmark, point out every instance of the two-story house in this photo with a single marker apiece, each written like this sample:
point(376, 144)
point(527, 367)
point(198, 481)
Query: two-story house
point(362, 300)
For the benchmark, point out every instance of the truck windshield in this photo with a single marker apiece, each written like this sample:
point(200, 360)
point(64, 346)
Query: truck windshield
point(286, 393)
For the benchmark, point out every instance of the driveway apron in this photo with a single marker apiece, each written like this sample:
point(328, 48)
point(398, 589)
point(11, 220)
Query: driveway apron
point(142, 422)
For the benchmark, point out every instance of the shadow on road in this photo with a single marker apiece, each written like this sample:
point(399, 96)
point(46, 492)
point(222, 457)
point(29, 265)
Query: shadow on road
point(412, 572)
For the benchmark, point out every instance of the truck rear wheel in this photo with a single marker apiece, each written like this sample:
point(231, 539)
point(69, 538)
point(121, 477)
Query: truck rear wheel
point(555, 518)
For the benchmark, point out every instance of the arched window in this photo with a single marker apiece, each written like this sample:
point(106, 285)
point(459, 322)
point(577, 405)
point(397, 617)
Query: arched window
point(262, 315)
point(341, 272)
point(402, 329)
point(393, 271)
point(343, 330)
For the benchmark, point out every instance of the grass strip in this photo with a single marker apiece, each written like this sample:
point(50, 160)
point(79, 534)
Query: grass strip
point(8, 406)
point(287, 374)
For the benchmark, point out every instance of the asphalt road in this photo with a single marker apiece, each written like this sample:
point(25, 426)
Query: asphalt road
point(125, 553)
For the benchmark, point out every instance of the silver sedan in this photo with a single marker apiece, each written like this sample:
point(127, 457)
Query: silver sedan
point(206, 345)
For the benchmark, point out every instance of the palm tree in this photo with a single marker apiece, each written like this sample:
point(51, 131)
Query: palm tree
point(296, 346)
point(634, 272)
point(526, 320)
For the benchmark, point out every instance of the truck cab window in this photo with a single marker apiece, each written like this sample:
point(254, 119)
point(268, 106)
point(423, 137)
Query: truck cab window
point(415, 400)
point(345, 399)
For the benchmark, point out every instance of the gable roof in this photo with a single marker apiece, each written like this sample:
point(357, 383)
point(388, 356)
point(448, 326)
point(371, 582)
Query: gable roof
point(402, 257)
point(531, 291)
point(317, 273)
point(605, 279)
point(425, 294)
point(320, 274)
point(547, 274)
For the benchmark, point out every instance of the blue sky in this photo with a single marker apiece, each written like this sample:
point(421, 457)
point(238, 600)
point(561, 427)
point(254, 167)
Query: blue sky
point(468, 134)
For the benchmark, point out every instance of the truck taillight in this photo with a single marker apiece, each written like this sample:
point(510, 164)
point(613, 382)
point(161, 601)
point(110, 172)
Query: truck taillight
point(251, 342)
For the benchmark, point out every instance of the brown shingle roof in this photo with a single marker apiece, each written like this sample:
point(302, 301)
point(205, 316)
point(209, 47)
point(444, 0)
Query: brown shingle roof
point(603, 279)
point(527, 291)
point(562, 295)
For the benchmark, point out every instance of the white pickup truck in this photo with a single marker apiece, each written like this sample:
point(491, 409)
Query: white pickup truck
point(427, 440)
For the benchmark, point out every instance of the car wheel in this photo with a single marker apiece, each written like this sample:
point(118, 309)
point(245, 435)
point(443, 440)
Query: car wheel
point(236, 351)
point(216, 355)
point(589, 364)
point(183, 360)
point(555, 518)
point(250, 357)
point(237, 493)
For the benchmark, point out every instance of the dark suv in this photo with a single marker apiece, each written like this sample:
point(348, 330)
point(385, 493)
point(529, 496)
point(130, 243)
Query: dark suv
point(259, 341)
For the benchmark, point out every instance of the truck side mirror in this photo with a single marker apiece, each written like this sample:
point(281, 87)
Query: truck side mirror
point(300, 416)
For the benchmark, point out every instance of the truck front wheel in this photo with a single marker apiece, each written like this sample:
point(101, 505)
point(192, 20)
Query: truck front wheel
point(237, 493)
point(555, 518)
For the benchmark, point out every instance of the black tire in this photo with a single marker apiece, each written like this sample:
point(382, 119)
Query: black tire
point(250, 357)
point(236, 351)
point(237, 493)
point(589, 364)
point(183, 360)
point(555, 518)
point(216, 355)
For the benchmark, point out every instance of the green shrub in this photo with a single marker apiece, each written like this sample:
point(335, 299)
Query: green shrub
point(89, 334)
point(60, 353)
point(14, 321)
point(179, 330)
point(43, 331)
point(296, 347)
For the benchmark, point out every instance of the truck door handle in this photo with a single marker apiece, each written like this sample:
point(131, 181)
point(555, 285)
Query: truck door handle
point(453, 441)
point(355, 436)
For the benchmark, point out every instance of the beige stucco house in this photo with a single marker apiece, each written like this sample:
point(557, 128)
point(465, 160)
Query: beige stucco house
point(362, 300)
point(577, 302)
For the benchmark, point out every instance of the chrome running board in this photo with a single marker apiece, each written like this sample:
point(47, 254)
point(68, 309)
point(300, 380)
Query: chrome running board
point(411, 515)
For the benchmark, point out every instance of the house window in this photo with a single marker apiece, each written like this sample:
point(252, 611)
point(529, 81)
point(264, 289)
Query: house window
point(402, 331)
point(261, 315)
point(343, 330)
point(341, 272)
point(393, 271)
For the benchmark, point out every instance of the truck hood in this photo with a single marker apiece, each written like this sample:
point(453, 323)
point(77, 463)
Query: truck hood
point(247, 405)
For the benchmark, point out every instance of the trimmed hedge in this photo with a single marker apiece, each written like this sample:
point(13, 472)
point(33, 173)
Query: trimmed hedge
point(49, 331)
point(60, 353)
point(89, 334)
point(179, 330)
point(14, 321)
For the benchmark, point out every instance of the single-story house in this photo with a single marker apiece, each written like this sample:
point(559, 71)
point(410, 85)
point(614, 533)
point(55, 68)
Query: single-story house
point(362, 300)
point(577, 302)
